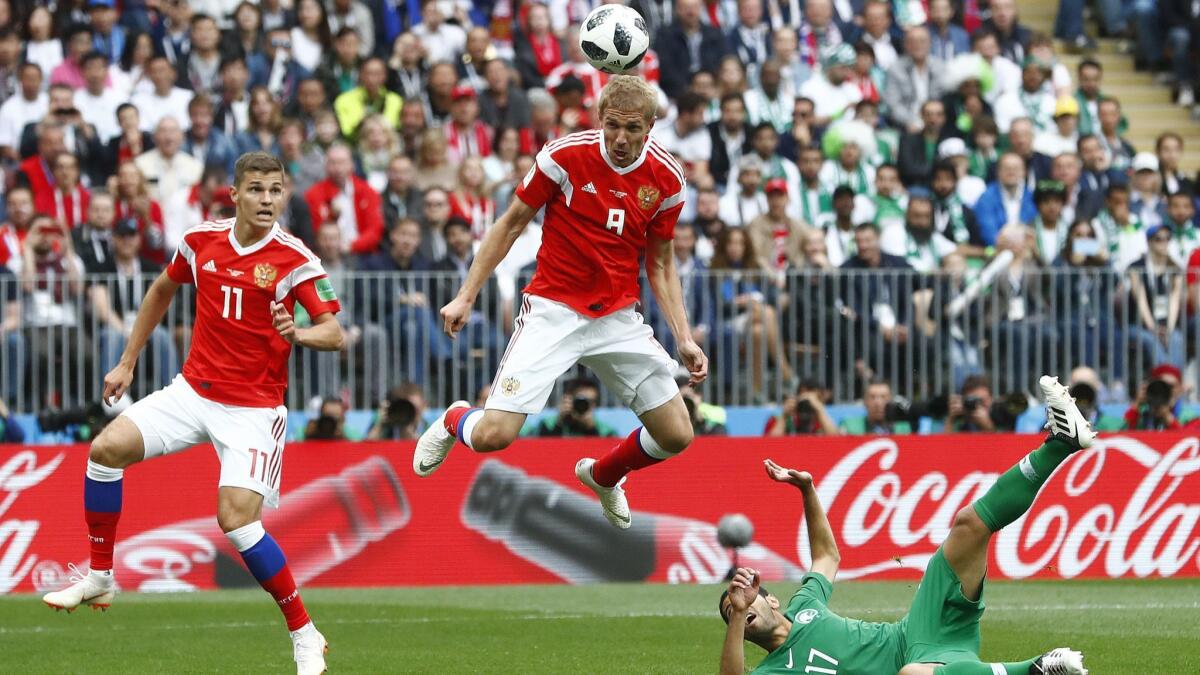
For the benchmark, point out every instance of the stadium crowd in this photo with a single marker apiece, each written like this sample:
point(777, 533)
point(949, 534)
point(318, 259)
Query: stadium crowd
point(851, 163)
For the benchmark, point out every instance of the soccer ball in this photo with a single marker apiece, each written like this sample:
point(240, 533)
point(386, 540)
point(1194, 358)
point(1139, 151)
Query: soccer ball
point(614, 38)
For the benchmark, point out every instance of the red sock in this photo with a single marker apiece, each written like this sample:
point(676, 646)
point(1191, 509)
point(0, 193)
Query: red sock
point(627, 456)
point(102, 533)
point(454, 417)
point(283, 588)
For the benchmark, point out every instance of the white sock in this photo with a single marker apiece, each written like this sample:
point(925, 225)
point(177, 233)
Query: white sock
point(651, 446)
point(104, 474)
point(468, 425)
point(246, 536)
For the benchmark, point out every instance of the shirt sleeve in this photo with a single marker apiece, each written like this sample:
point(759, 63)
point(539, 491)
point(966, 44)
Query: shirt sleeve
point(545, 179)
point(814, 589)
point(1193, 267)
point(662, 224)
point(180, 270)
point(317, 297)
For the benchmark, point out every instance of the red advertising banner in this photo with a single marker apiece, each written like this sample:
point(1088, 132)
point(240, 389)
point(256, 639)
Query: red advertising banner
point(354, 514)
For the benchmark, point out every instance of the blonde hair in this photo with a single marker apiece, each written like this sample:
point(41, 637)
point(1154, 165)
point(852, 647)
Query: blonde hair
point(629, 93)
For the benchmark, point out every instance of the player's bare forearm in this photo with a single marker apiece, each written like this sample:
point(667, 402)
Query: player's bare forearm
point(821, 543)
point(495, 246)
point(150, 314)
point(733, 652)
point(325, 335)
point(664, 283)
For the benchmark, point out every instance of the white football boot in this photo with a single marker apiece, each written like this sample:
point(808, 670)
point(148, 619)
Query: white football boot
point(435, 444)
point(93, 589)
point(616, 506)
point(1061, 661)
point(1063, 419)
point(308, 649)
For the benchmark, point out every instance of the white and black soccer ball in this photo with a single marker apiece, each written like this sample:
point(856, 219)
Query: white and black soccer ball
point(614, 38)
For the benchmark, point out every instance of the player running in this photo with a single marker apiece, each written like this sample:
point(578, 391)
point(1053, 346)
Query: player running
point(248, 275)
point(611, 196)
point(940, 633)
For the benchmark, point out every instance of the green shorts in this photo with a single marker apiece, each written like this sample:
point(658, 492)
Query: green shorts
point(942, 625)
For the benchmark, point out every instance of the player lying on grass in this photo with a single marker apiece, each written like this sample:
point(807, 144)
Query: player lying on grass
point(612, 197)
point(248, 274)
point(940, 633)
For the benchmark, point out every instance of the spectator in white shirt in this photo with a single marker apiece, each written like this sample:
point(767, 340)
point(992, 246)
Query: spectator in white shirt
point(30, 104)
point(167, 100)
point(832, 91)
point(687, 138)
point(167, 168)
point(442, 41)
point(97, 102)
point(739, 207)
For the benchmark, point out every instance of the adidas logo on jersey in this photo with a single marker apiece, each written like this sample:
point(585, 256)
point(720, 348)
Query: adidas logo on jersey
point(209, 267)
point(589, 188)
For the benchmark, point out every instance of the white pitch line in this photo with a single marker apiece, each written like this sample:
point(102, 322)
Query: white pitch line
point(850, 612)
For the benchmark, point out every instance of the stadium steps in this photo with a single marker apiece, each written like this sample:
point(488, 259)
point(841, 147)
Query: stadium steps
point(1148, 106)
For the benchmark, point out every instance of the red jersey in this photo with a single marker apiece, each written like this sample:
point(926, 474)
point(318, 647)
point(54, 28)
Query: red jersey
point(237, 357)
point(597, 219)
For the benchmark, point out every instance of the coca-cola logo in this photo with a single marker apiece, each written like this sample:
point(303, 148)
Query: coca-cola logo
point(1119, 507)
point(20, 473)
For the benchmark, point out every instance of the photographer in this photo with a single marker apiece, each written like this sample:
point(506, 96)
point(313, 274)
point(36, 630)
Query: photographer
point(707, 419)
point(329, 424)
point(975, 411)
point(400, 414)
point(885, 416)
point(1157, 407)
point(803, 413)
point(576, 413)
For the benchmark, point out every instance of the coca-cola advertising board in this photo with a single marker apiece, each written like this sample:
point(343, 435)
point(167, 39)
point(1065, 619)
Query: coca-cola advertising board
point(354, 514)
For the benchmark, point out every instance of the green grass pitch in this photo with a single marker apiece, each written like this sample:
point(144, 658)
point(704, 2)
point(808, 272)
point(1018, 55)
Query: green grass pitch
point(1123, 627)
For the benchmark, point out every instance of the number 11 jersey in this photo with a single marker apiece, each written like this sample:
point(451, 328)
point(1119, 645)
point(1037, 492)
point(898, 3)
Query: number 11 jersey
point(237, 357)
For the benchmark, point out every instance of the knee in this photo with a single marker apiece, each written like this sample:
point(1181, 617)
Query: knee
point(677, 438)
point(967, 521)
point(107, 451)
point(230, 518)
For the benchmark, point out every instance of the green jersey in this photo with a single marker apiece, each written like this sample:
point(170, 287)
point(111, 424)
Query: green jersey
point(823, 642)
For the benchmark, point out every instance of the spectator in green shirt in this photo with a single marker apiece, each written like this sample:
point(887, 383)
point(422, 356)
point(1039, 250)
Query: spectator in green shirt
point(877, 400)
point(576, 413)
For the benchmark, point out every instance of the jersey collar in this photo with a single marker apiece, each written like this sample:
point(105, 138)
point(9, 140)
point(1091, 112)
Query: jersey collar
point(636, 163)
point(247, 250)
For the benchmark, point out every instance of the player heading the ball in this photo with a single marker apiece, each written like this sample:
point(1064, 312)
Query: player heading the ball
point(611, 196)
point(249, 274)
point(940, 633)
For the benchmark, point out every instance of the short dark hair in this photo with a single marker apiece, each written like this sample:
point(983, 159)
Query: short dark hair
point(689, 101)
point(842, 191)
point(976, 382)
point(985, 124)
point(126, 106)
point(1164, 136)
point(455, 222)
point(27, 65)
point(762, 591)
point(93, 56)
point(887, 165)
point(257, 161)
point(1114, 188)
point(197, 18)
point(1186, 194)
point(575, 384)
point(1089, 63)
point(200, 101)
point(944, 166)
point(865, 227)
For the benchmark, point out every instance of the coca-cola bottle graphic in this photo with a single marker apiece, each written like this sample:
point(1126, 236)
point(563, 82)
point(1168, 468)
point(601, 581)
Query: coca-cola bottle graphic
point(564, 532)
point(318, 525)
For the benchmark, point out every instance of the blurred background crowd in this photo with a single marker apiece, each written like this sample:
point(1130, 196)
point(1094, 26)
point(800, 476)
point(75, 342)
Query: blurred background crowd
point(900, 212)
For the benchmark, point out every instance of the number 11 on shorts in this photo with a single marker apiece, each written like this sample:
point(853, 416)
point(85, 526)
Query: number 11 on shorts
point(255, 464)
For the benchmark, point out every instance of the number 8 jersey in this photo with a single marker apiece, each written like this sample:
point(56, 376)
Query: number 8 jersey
point(598, 217)
point(237, 357)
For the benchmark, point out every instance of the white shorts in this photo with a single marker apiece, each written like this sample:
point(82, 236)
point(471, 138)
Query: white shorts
point(550, 338)
point(249, 441)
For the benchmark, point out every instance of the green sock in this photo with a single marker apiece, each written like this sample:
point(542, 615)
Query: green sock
point(1016, 489)
point(976, 668)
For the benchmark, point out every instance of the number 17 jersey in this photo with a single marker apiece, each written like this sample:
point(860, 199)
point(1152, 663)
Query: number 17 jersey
point(826, 643)
point(598, 219)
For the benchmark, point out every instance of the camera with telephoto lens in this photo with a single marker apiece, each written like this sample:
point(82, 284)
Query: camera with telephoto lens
point(89, 419)
point(1008, 409)
point(1159, 394)
point(400, 412)
point(581, 405)
point(970, 403)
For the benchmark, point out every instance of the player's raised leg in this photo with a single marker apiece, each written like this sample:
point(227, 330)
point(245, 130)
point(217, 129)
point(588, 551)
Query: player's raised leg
point(478, 429)
point(966, 548)
point(239, 513)
point(117, 447)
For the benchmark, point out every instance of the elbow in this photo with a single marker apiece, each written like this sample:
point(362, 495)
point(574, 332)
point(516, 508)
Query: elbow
point(338, 340)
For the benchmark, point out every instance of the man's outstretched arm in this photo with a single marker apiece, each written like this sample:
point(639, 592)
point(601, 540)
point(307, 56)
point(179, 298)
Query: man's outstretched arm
point(821, 544)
